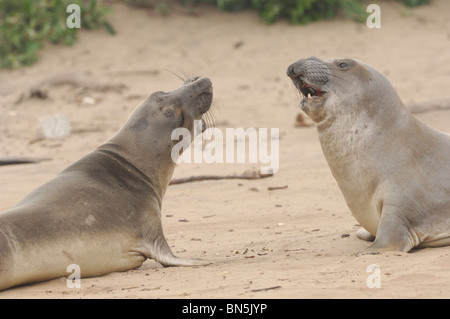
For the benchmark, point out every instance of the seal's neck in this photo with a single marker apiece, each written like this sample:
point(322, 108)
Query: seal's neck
point(357, 144)
point(156, 170)
point(352, 132)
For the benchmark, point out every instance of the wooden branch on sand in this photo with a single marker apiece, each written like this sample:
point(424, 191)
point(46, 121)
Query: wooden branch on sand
point(428, 106)
point(245, 175)
point(75, 78)
point(11, 160)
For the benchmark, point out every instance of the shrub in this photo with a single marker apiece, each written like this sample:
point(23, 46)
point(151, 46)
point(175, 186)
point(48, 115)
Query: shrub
point(414, 3)
point(297, 11)
point(308, 10)
point(26, 24)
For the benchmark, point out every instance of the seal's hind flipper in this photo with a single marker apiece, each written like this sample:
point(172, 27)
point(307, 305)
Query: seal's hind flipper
point(160, 251)
point(174, 261)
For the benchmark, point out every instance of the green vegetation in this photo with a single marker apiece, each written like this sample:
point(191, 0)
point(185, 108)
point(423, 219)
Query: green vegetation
point(415, 3)
point(296, 11)
point(26, 24)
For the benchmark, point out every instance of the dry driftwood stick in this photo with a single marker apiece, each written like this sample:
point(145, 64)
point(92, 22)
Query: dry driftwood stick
point(10, 160)
point(265, 289)
point(75, 78)
point(428, 106)
point(245, 175)
point(272, 188)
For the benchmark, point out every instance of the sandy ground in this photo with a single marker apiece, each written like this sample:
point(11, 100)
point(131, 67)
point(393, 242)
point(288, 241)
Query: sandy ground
point(294, 242)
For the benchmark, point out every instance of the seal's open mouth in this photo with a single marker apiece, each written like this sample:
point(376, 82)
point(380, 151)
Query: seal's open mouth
point(307, 90)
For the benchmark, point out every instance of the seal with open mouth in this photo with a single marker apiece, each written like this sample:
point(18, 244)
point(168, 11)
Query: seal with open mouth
point(393, 170)
point(103, 212)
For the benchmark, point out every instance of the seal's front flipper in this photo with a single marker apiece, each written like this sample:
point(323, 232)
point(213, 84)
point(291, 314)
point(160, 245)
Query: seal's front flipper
point(393, 233)
point(363, 234)
point(160, 251)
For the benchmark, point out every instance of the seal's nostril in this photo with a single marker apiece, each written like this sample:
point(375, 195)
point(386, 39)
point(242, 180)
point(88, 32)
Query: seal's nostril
point(294, 71)
point(290, 71)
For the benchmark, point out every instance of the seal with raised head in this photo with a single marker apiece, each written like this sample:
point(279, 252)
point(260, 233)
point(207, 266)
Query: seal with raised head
point(393, 170)
point(103, 212)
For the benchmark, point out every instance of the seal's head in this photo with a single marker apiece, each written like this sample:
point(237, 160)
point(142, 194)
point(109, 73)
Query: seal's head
point(146, 137)
point(339, 86)
point(162, 112)
point(184, 105)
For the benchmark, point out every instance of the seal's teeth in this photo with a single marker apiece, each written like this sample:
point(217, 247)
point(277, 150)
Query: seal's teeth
point(309, 95)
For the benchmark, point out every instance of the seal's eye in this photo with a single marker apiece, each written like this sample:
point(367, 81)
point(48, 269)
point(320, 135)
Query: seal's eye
point(343, 65)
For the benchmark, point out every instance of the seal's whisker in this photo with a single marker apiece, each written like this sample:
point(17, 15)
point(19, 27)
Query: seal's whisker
point(300, 94)
point(186, 75)
point(212, 113)
point(340, 78)
point(209, 118)
point(177, 75)
point(343, 82)
point(190, 76)
point(342, 87)
point(214, 107)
